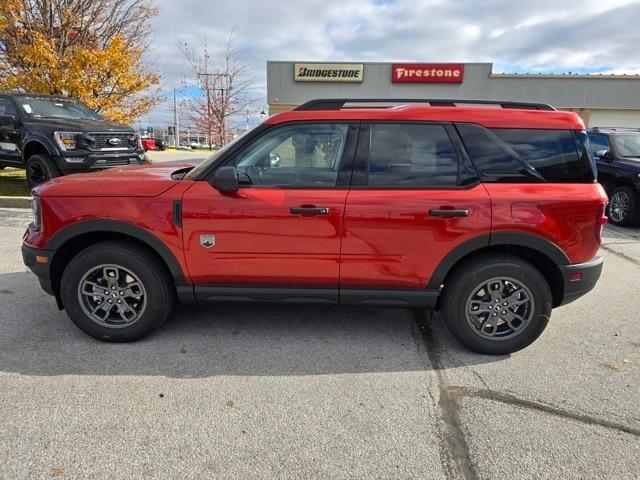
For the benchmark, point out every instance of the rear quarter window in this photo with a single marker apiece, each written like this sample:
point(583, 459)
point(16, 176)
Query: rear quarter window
point(553, 153)
point(528, 155)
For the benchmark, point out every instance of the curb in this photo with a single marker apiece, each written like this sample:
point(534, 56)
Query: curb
point(15, 202)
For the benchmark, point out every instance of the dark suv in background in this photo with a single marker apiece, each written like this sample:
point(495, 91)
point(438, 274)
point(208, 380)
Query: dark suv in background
point(53, 136)
point(617, 153)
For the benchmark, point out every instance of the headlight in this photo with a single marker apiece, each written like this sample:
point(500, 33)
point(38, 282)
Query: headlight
point(66, 140)
point(36, 211)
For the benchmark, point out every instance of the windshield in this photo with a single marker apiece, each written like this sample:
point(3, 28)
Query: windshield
point(47, 107)
point(627, 145)
point(212, 158)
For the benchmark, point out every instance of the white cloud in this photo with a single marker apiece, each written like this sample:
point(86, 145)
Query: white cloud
point(545, 35)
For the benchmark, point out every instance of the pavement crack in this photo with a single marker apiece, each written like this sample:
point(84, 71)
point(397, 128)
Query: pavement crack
point(454, 451)
point(509, 399)
point(620, 255)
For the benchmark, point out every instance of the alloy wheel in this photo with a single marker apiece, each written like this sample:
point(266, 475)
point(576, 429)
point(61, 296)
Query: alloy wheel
point(499, 308)
point(112, 296)
point(619, 206)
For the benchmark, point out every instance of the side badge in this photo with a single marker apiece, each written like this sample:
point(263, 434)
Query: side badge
point(207, 241)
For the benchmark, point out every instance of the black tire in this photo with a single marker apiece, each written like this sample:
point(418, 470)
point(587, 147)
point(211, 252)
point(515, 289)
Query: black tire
point(143, 267)
point(622, 209)
point(458, 297)
point(40, 169)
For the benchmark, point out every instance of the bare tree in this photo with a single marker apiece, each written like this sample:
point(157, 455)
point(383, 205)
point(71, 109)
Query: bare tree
point(224, 86)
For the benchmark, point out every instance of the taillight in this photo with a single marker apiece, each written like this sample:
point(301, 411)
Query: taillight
point(601, 221)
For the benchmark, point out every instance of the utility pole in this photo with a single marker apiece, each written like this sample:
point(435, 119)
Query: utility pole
point(222, 110)
point(176, 126)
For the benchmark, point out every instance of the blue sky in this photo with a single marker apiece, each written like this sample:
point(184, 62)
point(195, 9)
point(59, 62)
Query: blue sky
point(517, 36)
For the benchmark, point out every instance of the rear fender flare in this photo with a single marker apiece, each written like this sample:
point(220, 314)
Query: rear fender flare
point(528, 240)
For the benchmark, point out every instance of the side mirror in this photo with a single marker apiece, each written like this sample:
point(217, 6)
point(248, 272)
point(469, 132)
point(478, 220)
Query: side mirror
point(274, 160)
point(226, 180)
point(605, 155)
point(7, 119)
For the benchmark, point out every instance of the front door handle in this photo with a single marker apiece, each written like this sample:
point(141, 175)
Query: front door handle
point(310, 211)
point(448, 212)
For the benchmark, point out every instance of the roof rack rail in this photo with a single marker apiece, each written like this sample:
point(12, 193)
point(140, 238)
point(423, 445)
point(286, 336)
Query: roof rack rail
point(338, 103)
point(615, 129)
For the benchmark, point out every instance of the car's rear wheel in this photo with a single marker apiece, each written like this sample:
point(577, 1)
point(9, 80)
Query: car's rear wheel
point(496, 304)
point(116, 291)
point(622, 207)
point(40, 169)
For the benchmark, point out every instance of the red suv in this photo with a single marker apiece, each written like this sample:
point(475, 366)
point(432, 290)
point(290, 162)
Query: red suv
point(487, 211)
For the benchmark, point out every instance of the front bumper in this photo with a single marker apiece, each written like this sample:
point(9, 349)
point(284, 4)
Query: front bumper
point(580, 278)
point(39, 262)
point(85, 160)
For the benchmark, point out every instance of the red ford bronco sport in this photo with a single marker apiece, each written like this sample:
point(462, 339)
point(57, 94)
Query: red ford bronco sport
point(488, 211)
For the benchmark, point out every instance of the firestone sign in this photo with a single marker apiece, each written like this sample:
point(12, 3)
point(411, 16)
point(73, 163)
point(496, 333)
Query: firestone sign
point(426, 73)
point(326, 72)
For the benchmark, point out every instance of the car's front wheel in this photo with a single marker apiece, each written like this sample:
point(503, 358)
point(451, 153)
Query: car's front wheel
point(496, 304)
point(116, 291)
point(40, 169)
point(622, 207)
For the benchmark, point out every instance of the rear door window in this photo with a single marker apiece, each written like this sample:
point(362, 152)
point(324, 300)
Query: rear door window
point(412, 156)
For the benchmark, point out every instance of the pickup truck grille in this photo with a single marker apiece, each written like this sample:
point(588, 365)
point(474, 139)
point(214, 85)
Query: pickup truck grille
point(116, 162)
point(102, 141)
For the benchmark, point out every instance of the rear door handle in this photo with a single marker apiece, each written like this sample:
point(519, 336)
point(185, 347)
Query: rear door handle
point(310, 211)
point(448, 212)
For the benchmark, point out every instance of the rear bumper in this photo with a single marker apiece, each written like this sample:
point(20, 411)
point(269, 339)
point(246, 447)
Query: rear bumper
point(588, 273)
point(39, 262)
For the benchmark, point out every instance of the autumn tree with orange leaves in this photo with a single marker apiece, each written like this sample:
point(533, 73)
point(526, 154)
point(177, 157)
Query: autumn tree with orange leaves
point(86, 49)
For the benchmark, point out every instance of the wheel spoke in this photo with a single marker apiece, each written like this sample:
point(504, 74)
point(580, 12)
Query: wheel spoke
point(480, 307)
point(97, 289)
point(129, 291)
point(510, 317)
point(123, 309)
point(111, 275)
point(513, 300)
point(495, 293)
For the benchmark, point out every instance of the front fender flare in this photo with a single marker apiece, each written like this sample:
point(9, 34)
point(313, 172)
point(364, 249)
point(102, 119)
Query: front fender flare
point(128, 229)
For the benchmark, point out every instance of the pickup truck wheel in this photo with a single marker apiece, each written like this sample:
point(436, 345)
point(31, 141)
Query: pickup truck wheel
point(41, 168)
point(622, 207)
point(496, 304)
point(116, 291)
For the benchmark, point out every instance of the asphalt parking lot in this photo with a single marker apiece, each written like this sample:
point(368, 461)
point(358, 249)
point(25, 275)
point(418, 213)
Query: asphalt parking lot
point(229, 391)
point(178, 155)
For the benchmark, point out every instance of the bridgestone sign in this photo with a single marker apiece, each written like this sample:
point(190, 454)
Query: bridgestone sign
point(325, 72)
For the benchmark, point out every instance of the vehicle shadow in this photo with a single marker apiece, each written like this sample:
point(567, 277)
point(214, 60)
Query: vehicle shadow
point(219, 339)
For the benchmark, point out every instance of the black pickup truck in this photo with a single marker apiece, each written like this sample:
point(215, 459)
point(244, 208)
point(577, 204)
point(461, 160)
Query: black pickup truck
point(52, 136)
